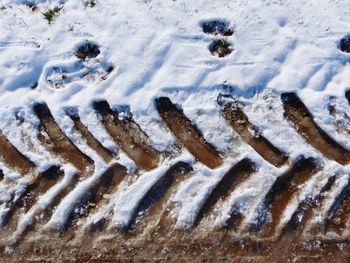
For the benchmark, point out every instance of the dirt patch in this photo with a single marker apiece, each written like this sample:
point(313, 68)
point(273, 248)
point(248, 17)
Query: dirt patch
point(129, 137)
point(186, 247)
point(187, 133)
point(235, 116)
point(217, 27)
point(300, 117)
point(220, 48)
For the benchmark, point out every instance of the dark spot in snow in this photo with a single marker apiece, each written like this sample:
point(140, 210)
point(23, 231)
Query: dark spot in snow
point(34, 86)
point(220, 48)
point(88, 50)
point(108, 72)
point(32, 6)
point(217, 27)
point(72, 112)
point(344, 44)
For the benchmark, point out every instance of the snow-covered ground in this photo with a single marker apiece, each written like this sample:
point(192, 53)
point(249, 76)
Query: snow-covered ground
point(152, 48)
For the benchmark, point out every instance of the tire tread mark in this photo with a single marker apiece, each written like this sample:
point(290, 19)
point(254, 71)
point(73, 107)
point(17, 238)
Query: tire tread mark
point(303, 121)
point(62, 145)
point(102, 151)
point(306, 208)
point(129, 137)
point(25, 201)
point(153, 198)
point(339, 213)
point(14, 158)
point(187, 133)
point(102, 185)
point(237, 174)
point(281, 192)
point(237, 119)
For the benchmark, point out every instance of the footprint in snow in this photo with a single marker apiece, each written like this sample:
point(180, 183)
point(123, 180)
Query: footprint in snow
point(88, 67)
point(220, 47)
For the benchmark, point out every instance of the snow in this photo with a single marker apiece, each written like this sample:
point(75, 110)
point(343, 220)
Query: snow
point(158, 48)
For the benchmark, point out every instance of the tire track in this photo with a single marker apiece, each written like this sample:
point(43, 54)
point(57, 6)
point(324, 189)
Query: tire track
point(91, 141)
point(341, 119)
point(28, 197)
point(62, 145)
point(42, 210)
point(129, 136)
point(306, 208)
point(339, 213)
point(13, 158)
point(87, 194)
point(239, 122)
point(187, 133)
point(222, 190)
point(280, 194)
point(301, 118)
point(156, 197)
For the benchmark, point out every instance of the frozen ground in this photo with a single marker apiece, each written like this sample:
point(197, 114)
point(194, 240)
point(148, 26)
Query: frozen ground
point(155, 48)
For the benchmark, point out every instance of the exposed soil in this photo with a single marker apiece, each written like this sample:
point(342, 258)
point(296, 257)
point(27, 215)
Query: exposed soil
point(240, 123)
point(13, 158)
point(281, 192)
point(102, 151)
point(129, 137)
point(220, 246)
point(306, 209)
point(62, 145)
point(339, 213)
point(102, 185)
point(187, 133)
point(42, 215)
point(237, 174)
point(155, 200)
point(39, 186)
point(302, 120)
